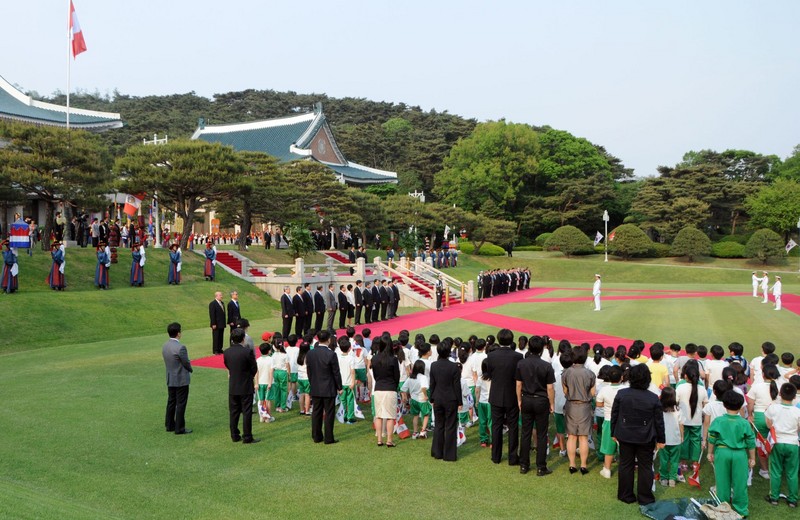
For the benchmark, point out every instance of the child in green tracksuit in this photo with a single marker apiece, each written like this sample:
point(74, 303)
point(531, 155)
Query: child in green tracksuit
point(348, 373)
point(732, 450)
point(783, 460)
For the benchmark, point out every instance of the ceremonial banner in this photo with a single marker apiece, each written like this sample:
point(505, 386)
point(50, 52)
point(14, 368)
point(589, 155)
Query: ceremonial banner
point(20, 234)
point(790, 245)
point(597, 238)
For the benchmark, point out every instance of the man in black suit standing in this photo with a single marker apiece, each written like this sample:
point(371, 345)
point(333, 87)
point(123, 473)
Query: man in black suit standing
point(234, 313)
point(351, 256)
point(501, 369)
point(384, 299)
point(367, 296)
point(445, 388)
point(376, 301)
point(287, 311)
point(359, 298)
point(308, 301)
point(326, 382)
point(396, 293)
point(341, 299)
point(176, 361)
point(241, 364)
point(216, 315)
point(300, 312)
point(536, 399)
point(319, 308)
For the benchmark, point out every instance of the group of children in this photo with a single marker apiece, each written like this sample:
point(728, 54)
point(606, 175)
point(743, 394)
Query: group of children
point(710, 401)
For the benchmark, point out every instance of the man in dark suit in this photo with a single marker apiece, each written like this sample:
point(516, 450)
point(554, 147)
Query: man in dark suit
point(439, 290)
point(366, 294)
point(176, 361)
point(501, 368)
point(234, 313)
point(536, 398)
point(287, 311)
point(326, 382)
point(358, 296)
point(384, 299)
point(390, 297)
point(376, 301)
point(300, 312)
point(341, 299)
point(241, 364)
point(445, 388)
point(351, 256)
point(308, 301)
point(216, 315)
point(319, 308)
point(396, 293)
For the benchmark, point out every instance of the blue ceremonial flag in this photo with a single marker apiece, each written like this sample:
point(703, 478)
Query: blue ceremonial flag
point(598, 238)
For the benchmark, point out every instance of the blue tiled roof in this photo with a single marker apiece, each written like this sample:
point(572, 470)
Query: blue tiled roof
point(13, 107)
point(275, 141)
point(357, 174)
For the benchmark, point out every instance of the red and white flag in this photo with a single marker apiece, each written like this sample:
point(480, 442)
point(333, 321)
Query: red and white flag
point(76, 34)
point(132, 203)
point(611, 236)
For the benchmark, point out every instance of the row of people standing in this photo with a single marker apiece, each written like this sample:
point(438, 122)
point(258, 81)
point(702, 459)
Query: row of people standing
point(373, 302)
point(502, 281)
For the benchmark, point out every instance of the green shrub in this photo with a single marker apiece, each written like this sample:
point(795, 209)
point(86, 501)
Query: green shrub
point(629, 241)
point(691, 242)
point(727, 250)
point(739, 239)
point(657, 250)
point(541, 239)
point(765, 244)
point(569, 240)
point(487, 249)
point(528, 248)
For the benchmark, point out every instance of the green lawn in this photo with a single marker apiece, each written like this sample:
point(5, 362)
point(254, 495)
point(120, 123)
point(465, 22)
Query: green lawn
point(83, 419)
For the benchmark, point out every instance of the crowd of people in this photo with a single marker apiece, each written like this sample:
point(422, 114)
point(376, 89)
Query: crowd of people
point(655, 415)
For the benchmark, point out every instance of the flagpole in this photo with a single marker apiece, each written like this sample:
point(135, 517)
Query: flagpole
point(69, 51)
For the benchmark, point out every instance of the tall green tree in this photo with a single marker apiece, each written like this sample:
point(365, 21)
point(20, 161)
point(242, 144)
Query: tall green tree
point(776, 207)
point(498, 232)
point(186, 175)
point(498, 162)
point(57, 166)
point(790, 167)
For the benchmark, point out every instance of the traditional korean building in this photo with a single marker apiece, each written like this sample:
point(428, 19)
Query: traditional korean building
point(299, 137)
point(18, 107)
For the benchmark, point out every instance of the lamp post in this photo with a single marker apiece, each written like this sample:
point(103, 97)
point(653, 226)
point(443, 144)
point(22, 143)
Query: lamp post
point(605, 221)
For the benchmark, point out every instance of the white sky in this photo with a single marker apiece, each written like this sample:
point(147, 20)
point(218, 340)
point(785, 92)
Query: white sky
point(648, 80)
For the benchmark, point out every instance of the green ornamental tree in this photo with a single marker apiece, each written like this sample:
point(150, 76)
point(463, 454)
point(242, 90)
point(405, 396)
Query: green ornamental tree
point(691, 242)
point(300, 241)
point(776, 206)
point(628, 241)
point(569, 240)
point(186, 175)
point(764, 245)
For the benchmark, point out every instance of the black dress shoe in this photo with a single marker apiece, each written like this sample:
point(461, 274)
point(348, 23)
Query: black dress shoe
point(171, 431)
point(332, 442)
point(584, 471)
point(523, 470)
point(183, 432)
point(236, 439)
point(251, 441)
point(543, 472)
point(513, 463)
point(573, 469)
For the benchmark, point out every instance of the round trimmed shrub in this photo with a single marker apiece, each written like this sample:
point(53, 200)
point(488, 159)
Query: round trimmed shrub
point(569, 240)
point(691, 242)
point(541, 239)
point(487, 249)
point(629, 240)
point(727, 250)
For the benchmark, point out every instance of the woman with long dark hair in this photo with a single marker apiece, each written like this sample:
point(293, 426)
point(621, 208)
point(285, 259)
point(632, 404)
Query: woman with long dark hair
point(386, 374)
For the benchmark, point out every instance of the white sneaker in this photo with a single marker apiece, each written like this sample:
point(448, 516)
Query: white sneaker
point(563, 453)
point(681, 478)
point(605, 473)
point(763, 474)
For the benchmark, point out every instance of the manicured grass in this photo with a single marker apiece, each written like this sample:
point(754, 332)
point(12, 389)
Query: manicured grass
point(83, 421)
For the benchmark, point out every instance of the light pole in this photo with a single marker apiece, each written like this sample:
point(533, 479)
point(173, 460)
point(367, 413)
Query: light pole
point(605, 221)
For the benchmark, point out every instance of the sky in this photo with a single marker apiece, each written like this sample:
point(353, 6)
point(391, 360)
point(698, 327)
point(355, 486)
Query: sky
point(647, 80)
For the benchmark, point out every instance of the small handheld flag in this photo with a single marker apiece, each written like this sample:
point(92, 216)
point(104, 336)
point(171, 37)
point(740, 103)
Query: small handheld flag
point(611, 236)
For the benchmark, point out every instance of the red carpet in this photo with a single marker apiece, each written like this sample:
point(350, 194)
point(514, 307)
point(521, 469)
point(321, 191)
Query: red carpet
point(477, 312)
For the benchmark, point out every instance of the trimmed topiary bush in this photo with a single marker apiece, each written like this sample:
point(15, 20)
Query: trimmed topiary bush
point(541, 239)
point(691, 242)
point(528, 248)
point(727, 250)
point(765, 244)
point(569, 240)
point(487, 249)
point(629, 241)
